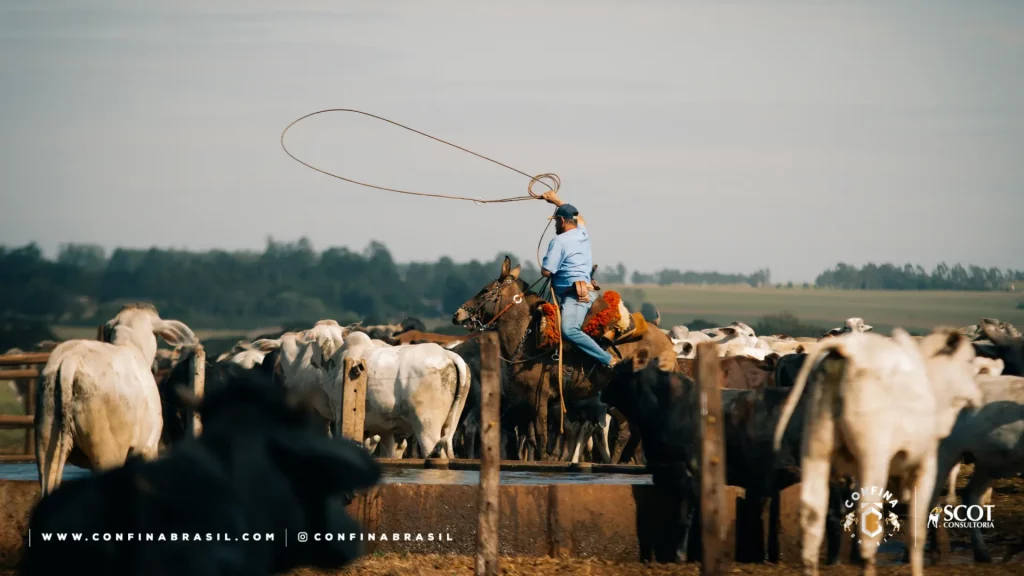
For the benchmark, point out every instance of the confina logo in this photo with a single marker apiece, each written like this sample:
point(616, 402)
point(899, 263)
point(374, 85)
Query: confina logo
point(872, 520)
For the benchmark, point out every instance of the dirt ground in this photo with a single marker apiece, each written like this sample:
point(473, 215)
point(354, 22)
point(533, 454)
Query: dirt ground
point(433, 565)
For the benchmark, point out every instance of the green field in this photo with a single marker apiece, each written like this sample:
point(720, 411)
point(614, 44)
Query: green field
point(919, 310)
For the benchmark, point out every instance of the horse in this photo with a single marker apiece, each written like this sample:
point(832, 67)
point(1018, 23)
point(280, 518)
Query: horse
point(507, 306)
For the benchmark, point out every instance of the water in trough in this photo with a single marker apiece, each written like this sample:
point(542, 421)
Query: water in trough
point(27, 471)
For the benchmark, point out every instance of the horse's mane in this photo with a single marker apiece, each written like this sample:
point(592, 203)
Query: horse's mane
point(531, 297)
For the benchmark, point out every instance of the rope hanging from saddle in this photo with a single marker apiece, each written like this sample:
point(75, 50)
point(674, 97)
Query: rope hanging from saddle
point(550, 180)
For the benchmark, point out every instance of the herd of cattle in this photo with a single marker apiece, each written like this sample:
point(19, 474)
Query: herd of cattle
point(878, 408)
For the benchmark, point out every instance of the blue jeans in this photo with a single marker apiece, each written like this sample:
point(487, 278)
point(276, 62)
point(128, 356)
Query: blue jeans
point(573, 313)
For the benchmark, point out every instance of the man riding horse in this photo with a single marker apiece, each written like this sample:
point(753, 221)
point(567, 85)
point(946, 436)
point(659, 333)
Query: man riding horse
point(568, 264)
point(530, 378)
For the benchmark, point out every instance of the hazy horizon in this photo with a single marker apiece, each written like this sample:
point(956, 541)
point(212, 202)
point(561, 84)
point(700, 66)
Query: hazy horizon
point(692, 135)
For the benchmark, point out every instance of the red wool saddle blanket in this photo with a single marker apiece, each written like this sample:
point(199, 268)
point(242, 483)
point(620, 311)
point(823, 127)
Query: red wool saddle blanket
point(608, 321)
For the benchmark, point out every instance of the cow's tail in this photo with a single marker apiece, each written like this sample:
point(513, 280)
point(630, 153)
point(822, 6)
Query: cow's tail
point(462, 382)
point(53, 421)
point(811, 364)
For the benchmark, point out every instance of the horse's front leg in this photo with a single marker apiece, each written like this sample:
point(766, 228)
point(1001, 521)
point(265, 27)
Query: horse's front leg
point(541, 429)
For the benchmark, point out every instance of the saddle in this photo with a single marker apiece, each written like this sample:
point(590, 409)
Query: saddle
point(608, 321)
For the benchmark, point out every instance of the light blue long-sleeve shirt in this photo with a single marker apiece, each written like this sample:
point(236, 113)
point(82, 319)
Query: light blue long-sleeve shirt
point(568, 258)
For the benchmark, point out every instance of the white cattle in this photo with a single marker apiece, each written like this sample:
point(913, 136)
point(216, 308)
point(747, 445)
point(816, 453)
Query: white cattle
point(687, 347)
point(735, 332)
point(988, 366)
point(783, 347)
point(239, 347)
point(415, 390)
point(678, 332)
point(303, 362)
point(99, 401)
point(993, 434)
point(878, 408)
point(399, 450)
point(852, 325)
point(328, 334)
point(587, 433)
point(245, 358)
point(982, 366)
point(741, 348)
point(303, 369)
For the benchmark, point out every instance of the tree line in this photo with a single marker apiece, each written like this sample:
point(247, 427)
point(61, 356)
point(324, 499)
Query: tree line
point(909, 277)
point(291, 282)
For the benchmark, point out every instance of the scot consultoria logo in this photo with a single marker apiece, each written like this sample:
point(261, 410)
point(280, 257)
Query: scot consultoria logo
point(873, 520)
point(961, 516)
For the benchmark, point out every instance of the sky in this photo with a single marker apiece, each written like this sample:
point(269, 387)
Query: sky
point(724, 136)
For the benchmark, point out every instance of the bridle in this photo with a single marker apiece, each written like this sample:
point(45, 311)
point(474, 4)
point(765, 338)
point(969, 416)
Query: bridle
point(493, 297)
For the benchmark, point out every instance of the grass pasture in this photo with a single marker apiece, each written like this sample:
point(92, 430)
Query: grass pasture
point(913, 310)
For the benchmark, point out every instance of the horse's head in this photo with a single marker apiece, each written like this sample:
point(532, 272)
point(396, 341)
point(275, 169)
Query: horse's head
point(492, 299)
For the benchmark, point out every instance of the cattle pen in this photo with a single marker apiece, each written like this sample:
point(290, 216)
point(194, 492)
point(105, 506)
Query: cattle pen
point(494, 510)
point(12, 368)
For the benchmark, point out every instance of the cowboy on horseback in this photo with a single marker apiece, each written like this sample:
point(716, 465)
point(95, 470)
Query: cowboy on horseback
point(568, 264)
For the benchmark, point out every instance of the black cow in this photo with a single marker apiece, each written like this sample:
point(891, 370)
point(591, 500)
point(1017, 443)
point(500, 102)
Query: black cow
point(1010, 350)
point(583, 420)
point(261, 466)
point(217, 374)
point(467, 436)
point(787, 368)
point(665, 406)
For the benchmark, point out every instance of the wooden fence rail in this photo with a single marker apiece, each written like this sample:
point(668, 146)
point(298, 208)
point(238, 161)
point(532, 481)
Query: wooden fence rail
point(19, 359)
point(26, 421)
point(15, 421)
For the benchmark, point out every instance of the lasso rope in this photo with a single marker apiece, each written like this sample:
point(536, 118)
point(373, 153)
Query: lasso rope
point(550, 180)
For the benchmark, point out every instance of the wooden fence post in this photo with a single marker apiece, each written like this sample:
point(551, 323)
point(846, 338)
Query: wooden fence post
point(99, 333)
point(490, 457)
point(712, 483)
point(353, 402)
point(30, 410)
point(197, 365)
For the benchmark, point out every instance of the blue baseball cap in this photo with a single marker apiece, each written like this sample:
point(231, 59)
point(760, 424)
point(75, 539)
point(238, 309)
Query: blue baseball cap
point(566, 211)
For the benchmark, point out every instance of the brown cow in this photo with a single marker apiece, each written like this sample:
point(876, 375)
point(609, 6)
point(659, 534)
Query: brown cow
point(739, 372)
point(417, 337)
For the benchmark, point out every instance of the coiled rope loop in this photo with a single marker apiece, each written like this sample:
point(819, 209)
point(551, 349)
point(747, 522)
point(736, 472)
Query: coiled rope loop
point(551, 181)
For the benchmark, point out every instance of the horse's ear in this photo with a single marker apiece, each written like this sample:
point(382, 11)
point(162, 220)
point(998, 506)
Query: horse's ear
point(506, 267)
point(515, 272)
